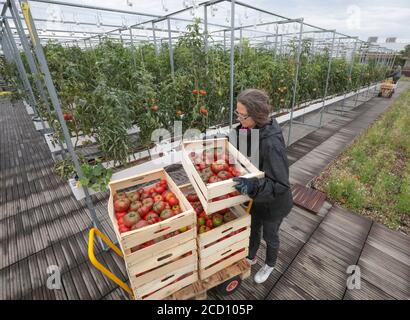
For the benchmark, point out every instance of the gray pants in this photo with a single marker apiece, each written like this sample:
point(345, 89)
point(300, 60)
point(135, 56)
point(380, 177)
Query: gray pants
point(270, 235)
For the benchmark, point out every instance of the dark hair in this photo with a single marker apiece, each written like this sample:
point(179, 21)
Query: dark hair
point(257, 105)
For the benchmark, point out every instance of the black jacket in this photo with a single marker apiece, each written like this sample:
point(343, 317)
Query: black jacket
point(272, 194)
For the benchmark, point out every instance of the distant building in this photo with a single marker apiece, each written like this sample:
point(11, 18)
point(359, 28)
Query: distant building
point(392, 43)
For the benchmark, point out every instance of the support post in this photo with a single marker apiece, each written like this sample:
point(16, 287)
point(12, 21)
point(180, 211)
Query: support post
point(171, 51)
point(295, 81)
point(232, 57)
point(56, 104)
point(31, 63)
point(20, 65)
point(329, 67)
point(155, 39)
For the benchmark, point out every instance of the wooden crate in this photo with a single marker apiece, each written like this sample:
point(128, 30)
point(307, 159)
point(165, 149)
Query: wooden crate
point(213, 246)
point(160, 275)
point(155, 255)
point(206, 191)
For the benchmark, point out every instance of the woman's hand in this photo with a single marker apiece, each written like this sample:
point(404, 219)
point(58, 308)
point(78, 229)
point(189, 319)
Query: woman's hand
point(244, 186)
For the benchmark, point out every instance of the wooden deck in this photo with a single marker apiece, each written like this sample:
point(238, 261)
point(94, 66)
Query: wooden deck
point(41, 224)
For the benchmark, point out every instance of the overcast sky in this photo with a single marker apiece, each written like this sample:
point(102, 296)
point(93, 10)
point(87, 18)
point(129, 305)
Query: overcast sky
point(361, 18)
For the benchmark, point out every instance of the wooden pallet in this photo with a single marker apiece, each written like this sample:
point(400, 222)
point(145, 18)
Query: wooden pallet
point(199, 289)
point(208, 191)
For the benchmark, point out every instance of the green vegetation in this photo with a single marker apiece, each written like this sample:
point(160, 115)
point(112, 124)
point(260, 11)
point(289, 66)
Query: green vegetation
point(372, 176)
point(106, 90)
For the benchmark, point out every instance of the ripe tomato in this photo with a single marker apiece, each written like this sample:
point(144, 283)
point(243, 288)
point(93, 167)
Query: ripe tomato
point(166, 214)
point(202, 92)
point(219, 165)
point(163, 182)
point(176, 211)
point(67, 116)
point(158, 197)
point(173, 201)
point(120, 214)
point(143, 211)
point(195, 91)
point(151, 217)
point(159, 188)
point(158, 206)
point(167, 195)
point(192, 197)
point(214, 179)
point(154, 108)
point(203, 110)
point(209, 223)
point(122, 204)
point(123, 229)
point(224, 175)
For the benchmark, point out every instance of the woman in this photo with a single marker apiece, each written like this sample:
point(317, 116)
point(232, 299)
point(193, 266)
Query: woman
point(272, 196)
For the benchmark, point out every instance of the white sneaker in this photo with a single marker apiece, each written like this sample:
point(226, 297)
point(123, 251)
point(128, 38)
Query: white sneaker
point(263, 274)
point(253, 261)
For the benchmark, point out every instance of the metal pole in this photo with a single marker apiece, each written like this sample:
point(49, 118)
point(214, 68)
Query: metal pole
point(338, 46)
point(280, 48)
point(295, 81)
point(206, 28)
point(121, 39)
point(133, 48)
point(240, 42)
point(30, 59)
point(360, 79)
point(276, 40)
point(56, 104)
point(224, 41)
point(6, 50)
point(329, 67)
point(171, 52)
point(231, 71)
point(350, 74)
point(20, 67)
point(155, 39)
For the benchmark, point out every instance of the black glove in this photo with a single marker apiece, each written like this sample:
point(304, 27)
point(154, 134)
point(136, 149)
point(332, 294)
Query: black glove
point(244, 186)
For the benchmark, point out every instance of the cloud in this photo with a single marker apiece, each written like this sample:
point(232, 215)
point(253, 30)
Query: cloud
point(376, 18)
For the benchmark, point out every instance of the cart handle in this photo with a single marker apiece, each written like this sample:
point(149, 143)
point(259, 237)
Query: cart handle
point(99, 266)
point(248, 209)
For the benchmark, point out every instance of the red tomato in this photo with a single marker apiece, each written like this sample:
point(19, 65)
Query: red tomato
point(167, 195)
point(159, 189)
point(158, 197)
point(173, 201)
point(122, 204)
point(209, 223)
point(124, 229)
point(120, 214)
point(192, 197)
point(67, 116)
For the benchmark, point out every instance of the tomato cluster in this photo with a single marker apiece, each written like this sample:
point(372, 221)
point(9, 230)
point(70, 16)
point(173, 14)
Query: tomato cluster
point(208, 222)
point(145, 206)
point(216, 165)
